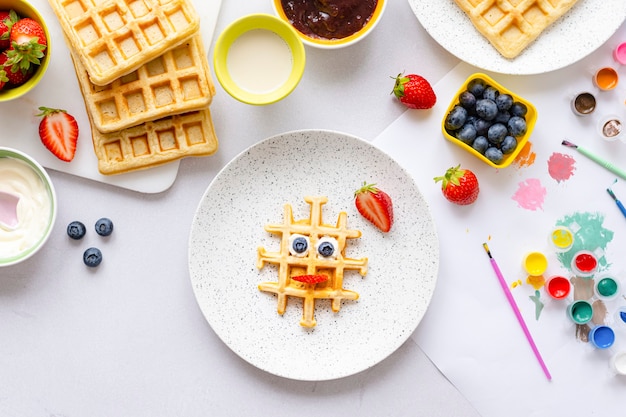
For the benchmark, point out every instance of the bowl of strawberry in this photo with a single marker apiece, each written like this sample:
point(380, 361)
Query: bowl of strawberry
point(24, 48)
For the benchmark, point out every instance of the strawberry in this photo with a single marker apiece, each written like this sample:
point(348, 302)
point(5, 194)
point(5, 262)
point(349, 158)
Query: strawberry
point(414, 91)
point(310, 279)
point(28, 44)
point(3, 71)
point(375, 205)
point(7, 19)
point(459, 186)
point(58, 131)
point(11, 75)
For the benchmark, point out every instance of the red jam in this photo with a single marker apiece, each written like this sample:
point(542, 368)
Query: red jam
point(328, 19)
point(586, 262)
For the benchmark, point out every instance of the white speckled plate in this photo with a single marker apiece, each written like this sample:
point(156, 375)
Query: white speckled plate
point(575, 35)
point(251, 192)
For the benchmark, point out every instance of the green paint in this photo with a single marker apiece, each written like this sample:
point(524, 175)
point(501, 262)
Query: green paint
point(538, 303)
point(607, 287)
point(588, 234)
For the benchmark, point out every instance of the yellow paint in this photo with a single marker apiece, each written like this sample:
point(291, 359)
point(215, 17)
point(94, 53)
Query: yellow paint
point(516, 284)
point(535, 263)
point(536, 281)
point(562, 238)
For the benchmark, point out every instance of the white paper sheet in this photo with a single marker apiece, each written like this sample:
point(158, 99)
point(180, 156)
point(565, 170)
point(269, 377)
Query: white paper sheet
point(470, 331)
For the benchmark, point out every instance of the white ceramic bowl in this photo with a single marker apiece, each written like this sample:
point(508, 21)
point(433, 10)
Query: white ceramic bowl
point(24, 177)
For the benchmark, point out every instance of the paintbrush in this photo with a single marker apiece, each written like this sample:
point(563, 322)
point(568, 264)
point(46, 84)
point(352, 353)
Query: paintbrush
point(595, 158)
point(614, 197)
point(518, 314)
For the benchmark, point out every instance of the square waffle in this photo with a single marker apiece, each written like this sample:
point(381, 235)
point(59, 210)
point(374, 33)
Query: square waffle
point(115, 37)
point(176, 82)
point(326, 271)
point(154, 143)
point(511, 25)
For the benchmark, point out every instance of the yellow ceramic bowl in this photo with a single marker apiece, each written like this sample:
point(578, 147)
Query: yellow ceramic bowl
point(25, 9)
point(336, 43)
point(36, 208)
point(263, 27)
point(531, 119)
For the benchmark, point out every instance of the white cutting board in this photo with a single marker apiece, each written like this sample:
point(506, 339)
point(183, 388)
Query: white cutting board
point(59, 89)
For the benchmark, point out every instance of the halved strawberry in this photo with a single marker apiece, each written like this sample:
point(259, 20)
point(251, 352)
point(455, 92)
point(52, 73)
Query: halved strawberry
point(28, 44)
point(310, 279)
point(375, 205)
point(58, 131)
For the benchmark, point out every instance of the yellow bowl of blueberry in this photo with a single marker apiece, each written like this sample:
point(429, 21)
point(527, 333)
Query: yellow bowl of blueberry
point(25, 55)
point(489, 121)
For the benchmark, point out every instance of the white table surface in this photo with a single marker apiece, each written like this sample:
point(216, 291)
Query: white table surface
point(128, 338)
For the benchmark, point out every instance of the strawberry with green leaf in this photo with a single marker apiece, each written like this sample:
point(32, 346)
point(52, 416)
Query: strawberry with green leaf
point(414, 91)
point(58, 131)
point(28, 45)
point(7, 19)
point(375, 205)
point(459, 186)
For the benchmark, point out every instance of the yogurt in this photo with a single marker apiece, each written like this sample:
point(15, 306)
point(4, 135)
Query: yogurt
point(34, 208)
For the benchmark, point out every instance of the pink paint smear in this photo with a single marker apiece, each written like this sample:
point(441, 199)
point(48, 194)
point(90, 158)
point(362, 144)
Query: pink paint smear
point(561, 167)
point(530, 194)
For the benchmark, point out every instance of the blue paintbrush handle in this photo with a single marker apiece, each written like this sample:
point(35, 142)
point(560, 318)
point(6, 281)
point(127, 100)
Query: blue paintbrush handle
point(621, 207)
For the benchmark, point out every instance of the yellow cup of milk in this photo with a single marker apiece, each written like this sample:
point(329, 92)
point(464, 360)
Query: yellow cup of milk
point(259, 59)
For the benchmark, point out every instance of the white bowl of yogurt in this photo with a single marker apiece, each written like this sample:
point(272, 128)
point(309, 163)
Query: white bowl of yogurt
point(28, 206)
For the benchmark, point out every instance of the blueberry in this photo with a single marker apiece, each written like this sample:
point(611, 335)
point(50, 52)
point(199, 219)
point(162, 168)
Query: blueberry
point(326, 249)
point(482, 126)
point(494, 155)
point(480, 144)
point(508, 145)
point(92, 257)
point(476, 87)
point(490, 93)
point(517, 126)
point(504, 101)
point(456, 118)
point(486, 109)
point(467, 133)
point(518, 109)
point(503, 116)
point(104, 226)
point(76, 230)
point(467, 100)
point(496, 133)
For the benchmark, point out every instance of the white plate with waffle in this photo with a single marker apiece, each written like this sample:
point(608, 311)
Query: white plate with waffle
point(580, 31)
point(229, 228)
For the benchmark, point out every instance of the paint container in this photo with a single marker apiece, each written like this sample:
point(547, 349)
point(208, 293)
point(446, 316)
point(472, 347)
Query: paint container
point(611, 128)
point(620, 316)
point(618, 363)
point(584, 104)
point(584, 264)
point(607, 288)
point(602, 337)
point(619, 53)
point(580, 311)
point(561, 239)
point(606, 78)
point(535, 263)
point(558, 287)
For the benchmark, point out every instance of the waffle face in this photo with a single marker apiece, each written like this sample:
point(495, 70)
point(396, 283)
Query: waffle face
point(511, 25)
point(115, 37)
point(176, 82)
point(311, 262)
point(154, 143)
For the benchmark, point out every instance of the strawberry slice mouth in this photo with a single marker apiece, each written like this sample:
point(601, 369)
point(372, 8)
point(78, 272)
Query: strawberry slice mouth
point(310, 279)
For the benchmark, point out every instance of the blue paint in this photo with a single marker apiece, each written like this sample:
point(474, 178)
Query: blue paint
point(622, 315)
point(602, 337)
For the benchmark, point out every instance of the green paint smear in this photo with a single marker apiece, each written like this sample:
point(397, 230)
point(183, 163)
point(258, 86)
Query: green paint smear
point(538, 303)
point(588, 235)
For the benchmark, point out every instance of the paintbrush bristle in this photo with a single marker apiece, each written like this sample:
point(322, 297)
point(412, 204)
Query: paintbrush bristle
point(611, 193)
point(487, 249)
point(569, 144)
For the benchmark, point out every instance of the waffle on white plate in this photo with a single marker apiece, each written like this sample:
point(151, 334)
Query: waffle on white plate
point(511, 25)
point(115, 37)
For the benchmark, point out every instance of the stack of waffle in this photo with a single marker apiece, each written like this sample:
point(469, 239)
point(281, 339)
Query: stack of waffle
point(144, 76)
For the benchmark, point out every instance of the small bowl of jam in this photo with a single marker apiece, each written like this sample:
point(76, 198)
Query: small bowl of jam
point(331, 24)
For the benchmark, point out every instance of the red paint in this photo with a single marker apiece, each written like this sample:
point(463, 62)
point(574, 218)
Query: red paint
point(558, 287)
point(586, 262)
point(561, 166)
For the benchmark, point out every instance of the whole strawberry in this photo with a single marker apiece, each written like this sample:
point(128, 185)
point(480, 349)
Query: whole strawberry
point(7, 19)
point(375, 205)
point(459, 186)
point(28, 44)
point(414, 91)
